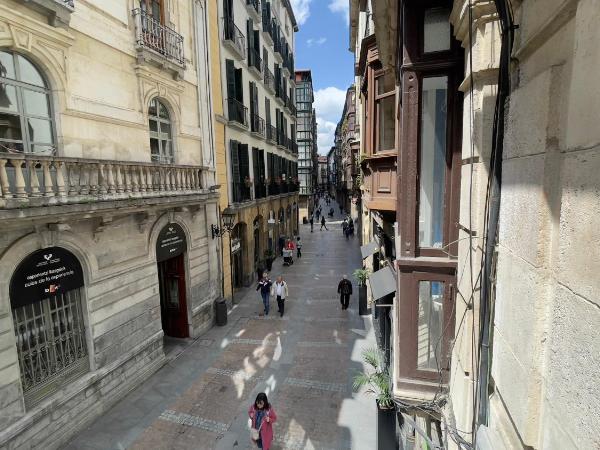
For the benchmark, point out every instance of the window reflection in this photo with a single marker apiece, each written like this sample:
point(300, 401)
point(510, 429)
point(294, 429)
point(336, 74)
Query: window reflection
point(430, 325)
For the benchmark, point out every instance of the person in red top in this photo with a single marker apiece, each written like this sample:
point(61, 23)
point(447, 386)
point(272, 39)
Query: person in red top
point(290, 245)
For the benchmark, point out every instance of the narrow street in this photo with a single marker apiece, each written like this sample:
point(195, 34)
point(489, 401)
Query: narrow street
point(304, 361)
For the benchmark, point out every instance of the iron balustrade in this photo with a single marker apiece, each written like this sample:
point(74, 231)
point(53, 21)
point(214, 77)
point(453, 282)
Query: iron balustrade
point(232, 34)
point(241, 192)
point(269, 79)
point(266, 23)
point(257, 124)
point(271, 133)
point(237, 112)
point(153, 35)
point(255, 4)
point(254, 59)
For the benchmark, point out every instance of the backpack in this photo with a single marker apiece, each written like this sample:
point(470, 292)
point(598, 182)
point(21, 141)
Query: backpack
point(346, 288)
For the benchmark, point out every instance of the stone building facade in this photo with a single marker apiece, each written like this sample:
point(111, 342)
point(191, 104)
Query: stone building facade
point(493, 343)
point(106, 168)
point(257, 67)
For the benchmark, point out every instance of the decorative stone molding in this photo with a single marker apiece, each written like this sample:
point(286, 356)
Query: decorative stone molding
point(58, 12)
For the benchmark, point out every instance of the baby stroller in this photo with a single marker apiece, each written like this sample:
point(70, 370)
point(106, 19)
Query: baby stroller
point(288, 258)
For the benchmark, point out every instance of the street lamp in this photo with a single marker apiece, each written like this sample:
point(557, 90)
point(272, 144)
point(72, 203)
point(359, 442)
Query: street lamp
point(227, 223)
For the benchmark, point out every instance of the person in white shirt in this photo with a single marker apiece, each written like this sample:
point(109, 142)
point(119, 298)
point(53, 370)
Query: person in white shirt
point(279, 289)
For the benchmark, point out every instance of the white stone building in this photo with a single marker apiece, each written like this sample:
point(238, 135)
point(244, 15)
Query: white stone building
point(106, 165)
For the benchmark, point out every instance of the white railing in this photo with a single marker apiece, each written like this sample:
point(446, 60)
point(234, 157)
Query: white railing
point(36, 180)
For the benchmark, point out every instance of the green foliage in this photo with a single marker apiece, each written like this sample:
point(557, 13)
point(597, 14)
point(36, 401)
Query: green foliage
point(376, 380)
point(361, 276)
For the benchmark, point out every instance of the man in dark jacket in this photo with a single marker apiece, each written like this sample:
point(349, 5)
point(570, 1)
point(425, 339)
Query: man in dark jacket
point(345, 291)
point(311, 223)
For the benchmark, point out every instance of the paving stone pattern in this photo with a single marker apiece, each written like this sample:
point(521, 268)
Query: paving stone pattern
point(304, 361)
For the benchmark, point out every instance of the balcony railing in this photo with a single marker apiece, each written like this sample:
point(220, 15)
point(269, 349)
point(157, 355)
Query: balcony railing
point(271, 133)
point(254, 59)
point(267, 24)
point(269, 79)
point(29, 180)
point(237, 111)
point(152, 35)
point(241, 192)
point(234, 36)
point(257, 124)
point(255, 5)
point(260, 189)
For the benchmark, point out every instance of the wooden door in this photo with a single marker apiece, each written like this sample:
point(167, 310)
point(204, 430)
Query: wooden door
point(173, 304)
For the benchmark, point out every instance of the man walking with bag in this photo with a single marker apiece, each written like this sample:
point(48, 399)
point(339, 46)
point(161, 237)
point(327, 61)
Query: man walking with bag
point(265, 289)
point(345, 291)
point(280, 291)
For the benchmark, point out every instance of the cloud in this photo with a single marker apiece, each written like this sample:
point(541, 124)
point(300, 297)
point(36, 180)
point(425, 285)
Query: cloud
point(314, 41)
point(341, 7)
point(301, 10)
point(329, 105)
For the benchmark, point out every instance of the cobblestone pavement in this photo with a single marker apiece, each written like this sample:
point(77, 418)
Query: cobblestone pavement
point(304, 361)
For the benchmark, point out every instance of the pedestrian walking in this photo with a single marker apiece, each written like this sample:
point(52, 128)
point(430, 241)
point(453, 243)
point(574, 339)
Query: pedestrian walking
point(279, 290)
point(345, 291)
point(311, 223)
point(265, 290)
point(344, 226)
point(323, 224)
point(298, 247)
point(262, 416)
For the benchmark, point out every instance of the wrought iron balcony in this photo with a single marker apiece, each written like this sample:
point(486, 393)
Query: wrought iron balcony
point(157, 43)
point(257, 124)
point(254, 8)
point(234, 37)
point(28, 180)
point(254, 60)
point(267, 25)
point(269, 80)
point(237, 112)
point(271, 133)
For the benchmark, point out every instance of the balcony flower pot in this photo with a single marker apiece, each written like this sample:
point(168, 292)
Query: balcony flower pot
point(377, 381)
point(361, 276)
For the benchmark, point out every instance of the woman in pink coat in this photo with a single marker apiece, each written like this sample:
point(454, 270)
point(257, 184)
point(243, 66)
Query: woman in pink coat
point(263, 415)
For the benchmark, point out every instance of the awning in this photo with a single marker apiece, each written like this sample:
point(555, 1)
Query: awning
point(383, 282)
point(368, 249)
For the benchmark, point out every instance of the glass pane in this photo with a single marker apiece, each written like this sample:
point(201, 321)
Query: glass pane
point(166, 151)
point(7, 68)
point(165, 128)
point(154, 149)
point(43, 149)
point(40, 130)
point(10, 127)
point(386, 83)
point(10, 147)
point(8, 97)
point(164, 113)
point(387, 124)
point(152, 109)
point(436, 30)
point(153, 125)
point(432, 162)
point(36, 103)
point(28, 73)
point(173, 293)
point(430, 325)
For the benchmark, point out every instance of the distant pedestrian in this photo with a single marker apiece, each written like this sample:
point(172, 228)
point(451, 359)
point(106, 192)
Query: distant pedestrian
point(265, 290)
point(344, 226)
point(312, 221)
point(262, 416)
point(299, 247)
point(323, 223)
point(281, 244)
point(279, 290)
point(345, 291)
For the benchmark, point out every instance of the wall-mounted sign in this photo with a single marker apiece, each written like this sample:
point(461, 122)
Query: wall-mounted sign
point(171, 242)
point(44, 273)
point(236, 245)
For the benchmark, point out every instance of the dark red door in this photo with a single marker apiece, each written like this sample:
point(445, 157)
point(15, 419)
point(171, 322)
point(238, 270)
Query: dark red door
point(173, 305)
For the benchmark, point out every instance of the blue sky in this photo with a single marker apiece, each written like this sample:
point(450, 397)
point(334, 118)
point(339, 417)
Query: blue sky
point(322, 46)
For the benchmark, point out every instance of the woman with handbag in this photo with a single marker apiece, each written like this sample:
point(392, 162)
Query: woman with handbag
point(262, 415)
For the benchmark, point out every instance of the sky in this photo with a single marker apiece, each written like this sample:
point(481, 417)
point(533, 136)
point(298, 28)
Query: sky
point(322, 46)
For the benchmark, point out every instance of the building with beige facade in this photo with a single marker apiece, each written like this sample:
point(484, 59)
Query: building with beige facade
point(257, 66)
point(107, 197)
point(493, 319)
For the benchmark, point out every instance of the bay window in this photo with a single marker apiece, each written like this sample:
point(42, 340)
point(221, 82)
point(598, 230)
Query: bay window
point(385, 112)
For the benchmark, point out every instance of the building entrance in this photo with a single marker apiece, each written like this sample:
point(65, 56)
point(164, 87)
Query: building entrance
point(173, 304)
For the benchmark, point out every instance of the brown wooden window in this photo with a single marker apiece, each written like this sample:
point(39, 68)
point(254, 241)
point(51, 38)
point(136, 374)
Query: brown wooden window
point(385, 111)
point(154, 9)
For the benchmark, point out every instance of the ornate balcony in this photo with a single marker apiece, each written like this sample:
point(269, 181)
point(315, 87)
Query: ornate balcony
point(158, 44)
point(233, 37)
point(271, 134)
point(37, 182)
point(269, 80)
point(257, 125)
point(237, 112)
point(255, 61)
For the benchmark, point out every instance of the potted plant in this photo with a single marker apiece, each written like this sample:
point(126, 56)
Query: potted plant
point(361, 276)
point(377, 382)
point(269, 257)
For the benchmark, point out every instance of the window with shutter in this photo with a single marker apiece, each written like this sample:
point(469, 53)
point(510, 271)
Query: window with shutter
point(250, 39)
point(235, 169)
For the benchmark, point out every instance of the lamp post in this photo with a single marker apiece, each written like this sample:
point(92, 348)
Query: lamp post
point(227, 225)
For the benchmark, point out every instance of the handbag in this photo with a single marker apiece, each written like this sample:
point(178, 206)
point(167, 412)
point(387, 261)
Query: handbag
point(255, 433)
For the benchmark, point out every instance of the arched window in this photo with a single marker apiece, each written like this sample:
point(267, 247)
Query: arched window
point(161, 142)
point(26, 123)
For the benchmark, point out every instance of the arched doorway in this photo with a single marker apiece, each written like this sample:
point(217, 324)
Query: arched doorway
point(46, 291)
point(171, 247)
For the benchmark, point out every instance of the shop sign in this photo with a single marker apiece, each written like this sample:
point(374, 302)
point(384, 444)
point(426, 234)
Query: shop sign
point(171, 242)
point(236, 245)
point(44, 273)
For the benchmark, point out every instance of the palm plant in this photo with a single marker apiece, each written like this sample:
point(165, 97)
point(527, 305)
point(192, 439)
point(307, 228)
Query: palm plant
point(377, 380)
point(361, 276)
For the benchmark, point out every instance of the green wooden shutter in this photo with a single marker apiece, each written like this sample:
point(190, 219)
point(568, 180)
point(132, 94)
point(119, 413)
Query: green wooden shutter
point(250, 39)
point(230, 75)
point(244, 161)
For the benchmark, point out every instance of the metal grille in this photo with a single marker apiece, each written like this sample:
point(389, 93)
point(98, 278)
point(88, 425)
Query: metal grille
point(51, 344)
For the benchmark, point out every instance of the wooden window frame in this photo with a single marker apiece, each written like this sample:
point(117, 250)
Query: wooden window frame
point(376, 74)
